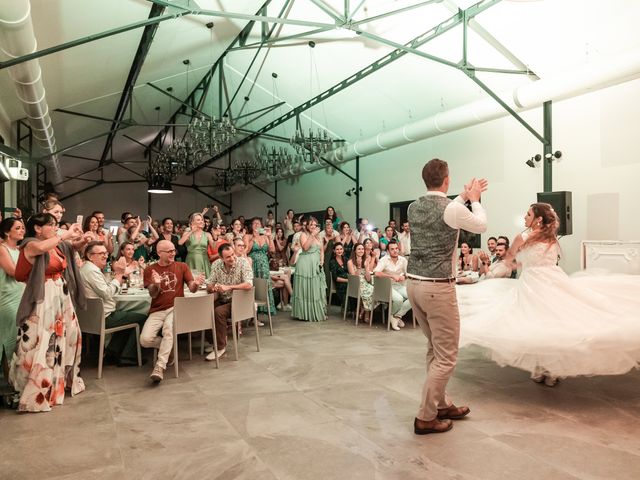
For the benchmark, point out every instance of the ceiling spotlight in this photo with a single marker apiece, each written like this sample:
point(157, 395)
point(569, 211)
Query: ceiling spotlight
point(533, 161)
point(209, 25)
point(312, 44)
point(555, 155)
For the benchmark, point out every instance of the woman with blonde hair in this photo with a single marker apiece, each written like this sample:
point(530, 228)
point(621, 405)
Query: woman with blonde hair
point(197, 241)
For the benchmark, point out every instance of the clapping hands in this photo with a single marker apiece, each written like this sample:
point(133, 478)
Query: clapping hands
point(473, 190)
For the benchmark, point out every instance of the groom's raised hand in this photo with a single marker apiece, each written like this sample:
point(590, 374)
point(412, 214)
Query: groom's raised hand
point(474, 189)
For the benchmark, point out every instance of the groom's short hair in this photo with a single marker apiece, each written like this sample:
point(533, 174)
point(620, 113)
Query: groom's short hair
point(434, 173)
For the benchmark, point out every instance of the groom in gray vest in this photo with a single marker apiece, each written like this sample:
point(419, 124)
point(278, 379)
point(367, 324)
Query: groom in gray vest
point(431, 285)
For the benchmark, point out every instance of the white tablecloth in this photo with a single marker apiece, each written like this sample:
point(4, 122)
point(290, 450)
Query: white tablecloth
point(139, 300)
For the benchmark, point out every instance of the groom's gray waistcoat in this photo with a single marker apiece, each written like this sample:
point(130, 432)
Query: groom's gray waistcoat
point(432, 240)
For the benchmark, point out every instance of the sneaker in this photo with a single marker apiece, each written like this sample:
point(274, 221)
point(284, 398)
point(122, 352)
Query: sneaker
point(279, 306)
point(394, 323)
point(208, 348)
point(551, 381)
point(400, 323)
point(286, 308)
point(212, 355)
point(158, 374)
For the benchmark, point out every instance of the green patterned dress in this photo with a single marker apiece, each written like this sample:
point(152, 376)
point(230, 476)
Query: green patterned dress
point(260, 265)
point(309, 302)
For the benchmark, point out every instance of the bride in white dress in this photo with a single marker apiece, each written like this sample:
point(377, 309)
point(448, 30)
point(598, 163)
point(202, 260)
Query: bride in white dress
point(548, 323)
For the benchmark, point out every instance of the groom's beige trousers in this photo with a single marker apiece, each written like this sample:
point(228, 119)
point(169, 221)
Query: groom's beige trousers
point(435, 306)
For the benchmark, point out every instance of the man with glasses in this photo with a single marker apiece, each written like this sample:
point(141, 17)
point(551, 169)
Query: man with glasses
point(165, 281)
point(122, 346)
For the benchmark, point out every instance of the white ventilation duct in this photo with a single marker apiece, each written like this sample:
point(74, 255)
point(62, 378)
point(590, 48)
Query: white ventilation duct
point(612, 71)
point(17, 38)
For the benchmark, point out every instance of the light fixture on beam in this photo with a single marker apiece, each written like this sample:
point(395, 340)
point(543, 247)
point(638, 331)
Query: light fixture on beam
point(159, 184)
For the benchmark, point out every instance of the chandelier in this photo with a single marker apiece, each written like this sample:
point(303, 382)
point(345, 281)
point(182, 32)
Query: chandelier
point(275, 160)
point(312, 146)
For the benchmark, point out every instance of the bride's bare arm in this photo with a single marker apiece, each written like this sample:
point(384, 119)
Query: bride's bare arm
point(517, 243)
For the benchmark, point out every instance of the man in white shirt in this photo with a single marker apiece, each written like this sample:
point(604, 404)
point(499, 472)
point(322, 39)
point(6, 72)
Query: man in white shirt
point(404, 237)
point(497, 269)
point(394, 266)
point(435, 223)
point(123, 344)
point(491, 246)
point(366, 231)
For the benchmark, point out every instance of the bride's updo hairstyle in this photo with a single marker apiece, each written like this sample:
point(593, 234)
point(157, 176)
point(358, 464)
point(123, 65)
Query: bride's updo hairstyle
point(546, 233)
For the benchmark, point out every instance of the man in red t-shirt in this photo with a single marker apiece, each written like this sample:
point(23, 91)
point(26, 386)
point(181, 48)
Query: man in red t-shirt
point(165, 281)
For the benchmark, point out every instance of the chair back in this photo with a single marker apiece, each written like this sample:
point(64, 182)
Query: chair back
point(262, 290)
point(353, 286)
point(242, 304)
point(91, 320)
point(382, 290)
point(193, 314)
point(332, 289)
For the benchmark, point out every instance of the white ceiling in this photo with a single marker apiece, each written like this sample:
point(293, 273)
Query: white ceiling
point(548, 36)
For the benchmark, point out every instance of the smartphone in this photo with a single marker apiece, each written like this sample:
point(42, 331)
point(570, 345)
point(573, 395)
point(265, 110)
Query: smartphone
point(113, 230)
point(261, 231)
point(79, 219)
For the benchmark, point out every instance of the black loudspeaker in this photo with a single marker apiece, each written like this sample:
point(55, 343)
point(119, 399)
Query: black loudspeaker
point(561, 203)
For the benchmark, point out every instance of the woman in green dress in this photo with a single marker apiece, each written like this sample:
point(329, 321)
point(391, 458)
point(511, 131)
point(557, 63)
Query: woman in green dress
point(12, 232)
point(197, 241)
point(259, 243)
point(309, 301)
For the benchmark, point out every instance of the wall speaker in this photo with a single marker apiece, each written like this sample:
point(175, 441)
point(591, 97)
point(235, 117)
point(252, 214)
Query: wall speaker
point(561, 203)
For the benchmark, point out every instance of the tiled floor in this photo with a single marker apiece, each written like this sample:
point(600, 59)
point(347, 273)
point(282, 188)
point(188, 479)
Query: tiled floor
point(326, 401)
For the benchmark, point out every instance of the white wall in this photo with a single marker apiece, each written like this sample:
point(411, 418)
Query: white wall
point(597, 134)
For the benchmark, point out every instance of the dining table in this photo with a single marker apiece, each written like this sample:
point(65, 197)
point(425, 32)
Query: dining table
point(138, 299)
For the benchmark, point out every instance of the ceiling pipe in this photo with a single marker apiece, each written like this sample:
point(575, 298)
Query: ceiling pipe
point(17, 38)
point(613, 71)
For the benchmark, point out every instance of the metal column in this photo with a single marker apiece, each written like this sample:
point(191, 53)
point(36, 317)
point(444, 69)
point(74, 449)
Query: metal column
point(357, 190)
point(547, 163)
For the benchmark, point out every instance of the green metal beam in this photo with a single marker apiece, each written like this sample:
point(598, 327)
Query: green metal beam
point(91, 38)
point(393, 12)
point(329, 11)
point(134, 71)
point(432, 33)
point(282, 39)
point(547, 163)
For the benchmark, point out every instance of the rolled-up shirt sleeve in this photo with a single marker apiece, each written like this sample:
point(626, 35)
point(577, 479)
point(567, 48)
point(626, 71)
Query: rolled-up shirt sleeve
point(458, 216)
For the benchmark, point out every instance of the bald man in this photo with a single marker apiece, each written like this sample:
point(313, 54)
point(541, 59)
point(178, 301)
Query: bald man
point(165, 281)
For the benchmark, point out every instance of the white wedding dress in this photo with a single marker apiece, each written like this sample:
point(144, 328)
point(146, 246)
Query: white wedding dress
point(546, 320)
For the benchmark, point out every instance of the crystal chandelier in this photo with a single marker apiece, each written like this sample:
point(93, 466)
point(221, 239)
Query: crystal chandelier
point(312, 146)
point(275, 160)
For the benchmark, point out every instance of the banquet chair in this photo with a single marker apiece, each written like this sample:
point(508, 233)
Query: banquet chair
point(382, 295)
point(243, 307)
point(262, 298)
point(92, 321)
point(353, 291)
point(194, 314)
point(332, 290)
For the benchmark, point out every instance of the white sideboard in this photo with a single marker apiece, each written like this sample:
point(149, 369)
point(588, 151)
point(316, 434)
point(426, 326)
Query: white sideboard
point(615, 256)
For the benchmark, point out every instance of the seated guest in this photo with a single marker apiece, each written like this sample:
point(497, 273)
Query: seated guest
point(367, 232)
point(165, 281)
point(389, 233)
point(504, 240)
point(491, 246)
point(240, 249)
point(123, 343)
point(362, 265)
point(104, 235)
point(467, 261)
point(228, 273)
point(394, 267)
point(497, 269)
point(404, 238)
point(339, 271)
point(166, 233)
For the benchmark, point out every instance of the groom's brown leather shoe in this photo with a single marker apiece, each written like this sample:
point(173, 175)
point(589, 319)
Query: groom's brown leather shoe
point(453, 412)
point(421, 427)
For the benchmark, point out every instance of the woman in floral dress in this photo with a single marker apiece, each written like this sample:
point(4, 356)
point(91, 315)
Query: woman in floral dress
point(362, 265)
point(47, 357)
